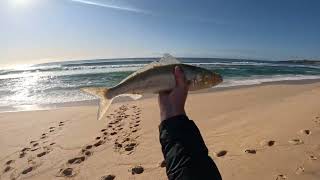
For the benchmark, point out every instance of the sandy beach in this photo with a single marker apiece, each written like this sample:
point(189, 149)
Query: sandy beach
point(260, 132)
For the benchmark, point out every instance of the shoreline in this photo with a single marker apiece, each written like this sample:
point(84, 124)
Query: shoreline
point(275, 125)
point(94, 102)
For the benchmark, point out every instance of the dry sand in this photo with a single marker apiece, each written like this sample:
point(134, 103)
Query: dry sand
point(262, 132)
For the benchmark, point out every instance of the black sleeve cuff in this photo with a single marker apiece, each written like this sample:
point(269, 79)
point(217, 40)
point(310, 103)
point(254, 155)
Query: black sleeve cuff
point(179, 129)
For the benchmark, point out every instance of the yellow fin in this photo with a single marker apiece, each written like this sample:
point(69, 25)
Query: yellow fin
point(104, 102)
point(132, 96)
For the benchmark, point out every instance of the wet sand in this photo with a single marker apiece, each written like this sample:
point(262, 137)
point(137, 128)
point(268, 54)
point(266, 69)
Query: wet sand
point(260, 132)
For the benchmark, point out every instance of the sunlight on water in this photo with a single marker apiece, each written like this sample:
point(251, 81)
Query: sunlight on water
point(55, 83)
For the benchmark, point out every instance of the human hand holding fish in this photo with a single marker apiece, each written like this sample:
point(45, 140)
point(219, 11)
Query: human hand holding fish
point(172, 102)
point(157, 78)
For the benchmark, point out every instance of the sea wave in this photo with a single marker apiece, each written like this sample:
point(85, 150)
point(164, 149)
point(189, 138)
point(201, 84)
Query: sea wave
point(60, 82)
point(254, 80)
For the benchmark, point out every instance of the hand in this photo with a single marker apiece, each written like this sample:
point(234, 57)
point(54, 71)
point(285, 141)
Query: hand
point(172, 103)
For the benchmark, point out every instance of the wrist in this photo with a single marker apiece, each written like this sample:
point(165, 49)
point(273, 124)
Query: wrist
point(167, 114)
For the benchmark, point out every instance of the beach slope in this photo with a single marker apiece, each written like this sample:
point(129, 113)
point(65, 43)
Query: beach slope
point(260, 132)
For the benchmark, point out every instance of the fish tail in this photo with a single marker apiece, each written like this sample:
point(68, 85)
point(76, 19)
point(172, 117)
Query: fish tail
point(104, 102)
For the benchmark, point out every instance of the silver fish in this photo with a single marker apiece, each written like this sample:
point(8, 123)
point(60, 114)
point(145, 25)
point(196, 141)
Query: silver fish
point(154, 78)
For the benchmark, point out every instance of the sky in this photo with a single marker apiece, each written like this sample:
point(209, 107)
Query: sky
point(37, 31)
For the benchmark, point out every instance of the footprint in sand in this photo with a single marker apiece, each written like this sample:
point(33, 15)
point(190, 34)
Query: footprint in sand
point(305, 131)
point(99, 143)
point(113, 133)
point(137, 170)
point(162, 164)
point(312, 157)
point(317, 120)
point(300, 170)
point(42, 154)
point(108, 177)
point(22, 154)
point(76, 160)
point(27, 170)
point(35, 149)
point(87, 153)
point(267, 143)
point(9, 162)
point(250, 151)
point(67, 172)
point(130, 147)
point(295, 141)
point(61, 123)
point(281, 177)
point(7, 169)
point(32, 154)
point(117, 130)
point(221, 153)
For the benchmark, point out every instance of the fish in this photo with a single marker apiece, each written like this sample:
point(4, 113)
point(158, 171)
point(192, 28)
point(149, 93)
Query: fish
point(158, 76)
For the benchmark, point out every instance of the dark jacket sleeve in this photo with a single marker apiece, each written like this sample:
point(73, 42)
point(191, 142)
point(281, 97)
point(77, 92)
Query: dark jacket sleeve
point(185, 152)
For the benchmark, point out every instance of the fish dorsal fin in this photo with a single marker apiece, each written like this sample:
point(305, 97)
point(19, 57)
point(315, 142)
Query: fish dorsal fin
point(167, 59)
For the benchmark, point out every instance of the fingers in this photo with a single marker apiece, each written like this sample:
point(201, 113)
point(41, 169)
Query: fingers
point(179, 76)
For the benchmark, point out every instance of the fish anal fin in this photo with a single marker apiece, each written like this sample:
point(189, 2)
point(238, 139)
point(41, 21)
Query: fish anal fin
point(132, 96)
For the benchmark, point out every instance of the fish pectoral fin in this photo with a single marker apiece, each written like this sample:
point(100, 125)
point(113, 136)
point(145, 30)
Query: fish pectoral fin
point(132, 96)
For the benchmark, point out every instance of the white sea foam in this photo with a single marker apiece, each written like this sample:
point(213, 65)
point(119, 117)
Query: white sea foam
point(60, 83)
point(253, 80)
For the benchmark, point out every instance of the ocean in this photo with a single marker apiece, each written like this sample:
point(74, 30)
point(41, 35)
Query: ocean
point(59, 83)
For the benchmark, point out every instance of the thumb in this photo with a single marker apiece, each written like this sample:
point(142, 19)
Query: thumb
point(179, 76)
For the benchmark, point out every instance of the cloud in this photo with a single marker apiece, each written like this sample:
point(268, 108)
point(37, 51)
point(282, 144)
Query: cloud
point(120, 8)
